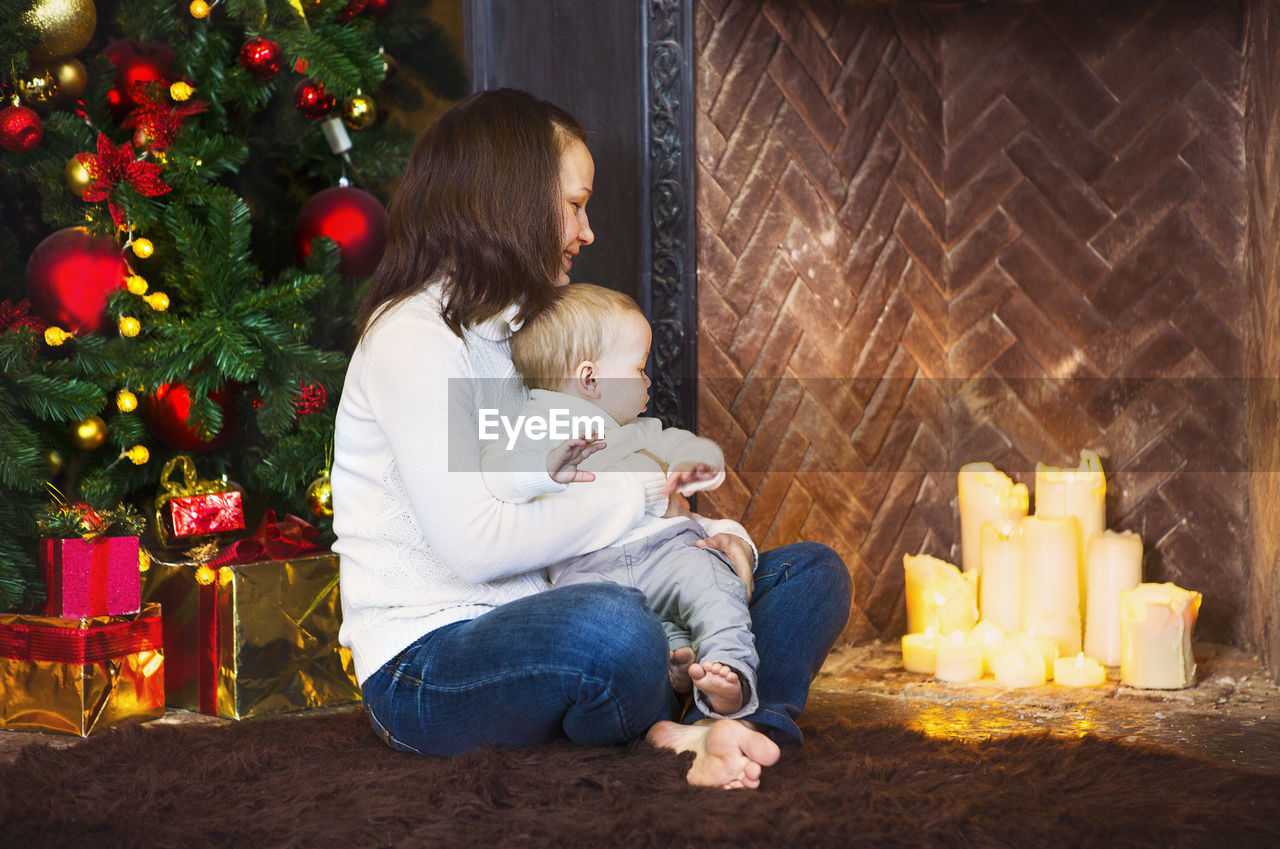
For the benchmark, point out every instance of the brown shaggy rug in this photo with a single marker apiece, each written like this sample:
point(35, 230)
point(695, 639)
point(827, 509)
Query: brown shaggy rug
point(325, 780)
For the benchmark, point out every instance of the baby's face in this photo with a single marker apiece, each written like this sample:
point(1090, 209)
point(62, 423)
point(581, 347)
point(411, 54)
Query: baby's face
point(620, 377)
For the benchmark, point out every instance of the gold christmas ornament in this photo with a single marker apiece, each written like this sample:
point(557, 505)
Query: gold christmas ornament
point(37, 87)
point(89, 434)
point(205, 576)
point(64, 27)
point(129, 326)
point(78, 179)
point(320, 496)
point(158, 301)
point(55, 336)
point(138, 455)
point(144, 560)
point(54, 462)
point(359, 112)
point(135, 284)
point(126, 401)
point(142, 248)
point(181, 91)
point(198, 9)
point(72, 78)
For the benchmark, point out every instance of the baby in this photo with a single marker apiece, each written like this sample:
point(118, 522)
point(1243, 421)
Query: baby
point(583, 358)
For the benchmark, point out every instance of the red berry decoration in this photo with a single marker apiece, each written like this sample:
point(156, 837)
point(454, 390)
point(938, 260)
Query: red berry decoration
point(355, 219)
point(261, 57)
point(379, 8)
point(20, 129)
point(138, 65)
point(312, 100)
point(350, 10)
point(167, 412)
point(70, 276)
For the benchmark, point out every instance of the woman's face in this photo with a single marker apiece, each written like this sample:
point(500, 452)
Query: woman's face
point(577, 172)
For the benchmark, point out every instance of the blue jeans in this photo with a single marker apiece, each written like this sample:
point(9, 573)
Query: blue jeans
point(589, 662)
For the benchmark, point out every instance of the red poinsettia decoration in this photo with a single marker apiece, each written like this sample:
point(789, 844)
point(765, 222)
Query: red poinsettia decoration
point(13, 316)
point(112, 166)
point(157, 121)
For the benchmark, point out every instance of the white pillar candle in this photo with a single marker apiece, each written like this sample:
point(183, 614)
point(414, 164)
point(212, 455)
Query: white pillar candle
point(958, 658)
point(985, 494)
point(1078, 671)
point(990, 636)
point(1017, 663)
point(1050, 582)
point(939, 596)
point(1000, 580)
point(1114, 564)
point(1079, 492)
point(1046, 647)
point(919, 652)
point(1156, 621)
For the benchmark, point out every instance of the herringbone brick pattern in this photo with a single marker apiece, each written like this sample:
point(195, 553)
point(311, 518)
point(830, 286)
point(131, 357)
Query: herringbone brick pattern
point(929, 236)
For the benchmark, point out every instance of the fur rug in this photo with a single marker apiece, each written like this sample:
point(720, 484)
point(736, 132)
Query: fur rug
point(325, 780)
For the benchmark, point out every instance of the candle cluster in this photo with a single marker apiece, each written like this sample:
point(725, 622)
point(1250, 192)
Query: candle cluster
point(1049, 596)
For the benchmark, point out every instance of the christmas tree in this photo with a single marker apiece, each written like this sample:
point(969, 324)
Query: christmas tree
point(166, 169)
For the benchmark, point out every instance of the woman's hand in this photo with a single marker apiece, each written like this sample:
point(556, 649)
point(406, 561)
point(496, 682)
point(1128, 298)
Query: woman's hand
point(564, 459)
point(683, 474)
point(677, 505)
point(739, 553)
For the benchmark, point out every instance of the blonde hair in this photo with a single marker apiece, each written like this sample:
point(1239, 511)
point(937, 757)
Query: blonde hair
point(578, 325)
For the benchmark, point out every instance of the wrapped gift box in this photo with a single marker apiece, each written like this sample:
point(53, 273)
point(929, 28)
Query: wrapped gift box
point(192, 510)
point(253, 638)
point(91, 577)
point(76, 676)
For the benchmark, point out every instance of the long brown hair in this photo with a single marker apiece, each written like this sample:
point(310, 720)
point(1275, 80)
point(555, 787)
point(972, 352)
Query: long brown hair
point(480, 205)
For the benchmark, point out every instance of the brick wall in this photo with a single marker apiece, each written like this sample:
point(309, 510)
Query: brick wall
point(932, 234)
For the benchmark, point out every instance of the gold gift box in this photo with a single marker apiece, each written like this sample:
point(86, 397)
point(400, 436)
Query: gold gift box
point(258, 638)
point(76, 676)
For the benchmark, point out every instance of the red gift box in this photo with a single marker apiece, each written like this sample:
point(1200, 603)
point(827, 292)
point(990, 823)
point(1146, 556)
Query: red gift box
point(210, 513)
point(91, 577)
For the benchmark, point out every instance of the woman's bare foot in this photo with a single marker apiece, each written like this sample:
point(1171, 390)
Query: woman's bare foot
point(678, 669)
point(727, 753)
point(719, 683)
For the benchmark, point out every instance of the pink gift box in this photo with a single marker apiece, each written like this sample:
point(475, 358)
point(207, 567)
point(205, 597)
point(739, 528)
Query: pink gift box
point(91, 577)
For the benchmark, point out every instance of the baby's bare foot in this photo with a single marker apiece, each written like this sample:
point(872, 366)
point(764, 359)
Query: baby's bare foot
point(720, 684)
point(678, 669)
point(727, 753)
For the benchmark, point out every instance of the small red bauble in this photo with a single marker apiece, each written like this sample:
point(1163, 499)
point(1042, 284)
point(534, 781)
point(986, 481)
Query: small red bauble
point(261, 57)
point(355, 219)
point(20, 129)
point(379, 8)
point(70, 276)
point(312, 100)
point(168, 409)
point(137, 64)
point(350, 10)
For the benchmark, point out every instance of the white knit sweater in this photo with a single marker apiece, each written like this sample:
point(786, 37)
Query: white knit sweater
point(422, 542)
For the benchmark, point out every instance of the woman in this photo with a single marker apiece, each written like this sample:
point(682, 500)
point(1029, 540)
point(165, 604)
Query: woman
point(457, 639)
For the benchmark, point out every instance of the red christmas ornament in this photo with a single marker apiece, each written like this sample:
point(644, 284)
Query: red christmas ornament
point(311, 399)
point(138, 66)
point(355, 219)
point(379, 8)
point(261, 57)
point(70, 276)
point(350, 10)
point(168, 409)
point(20, 129)
point(312, 100)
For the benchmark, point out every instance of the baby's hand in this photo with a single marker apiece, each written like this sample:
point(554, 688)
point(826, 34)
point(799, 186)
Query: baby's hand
point(564, 459)
point(683, 474)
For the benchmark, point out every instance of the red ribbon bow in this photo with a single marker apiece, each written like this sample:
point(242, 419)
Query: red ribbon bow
point(273, 540)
